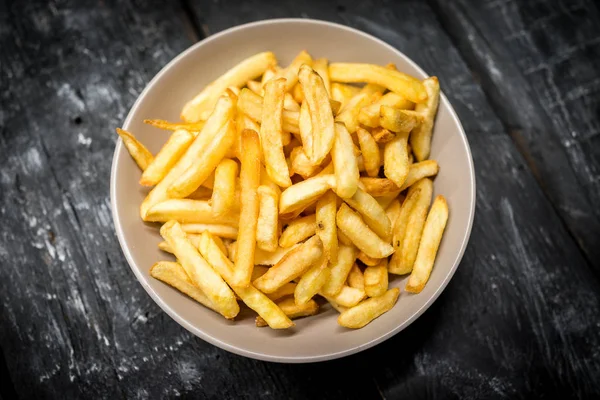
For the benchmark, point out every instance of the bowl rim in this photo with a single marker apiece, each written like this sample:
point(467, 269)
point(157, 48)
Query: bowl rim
point(240, 350)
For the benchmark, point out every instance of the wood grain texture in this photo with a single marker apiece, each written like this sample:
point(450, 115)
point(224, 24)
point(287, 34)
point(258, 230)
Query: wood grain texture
point(538, 63)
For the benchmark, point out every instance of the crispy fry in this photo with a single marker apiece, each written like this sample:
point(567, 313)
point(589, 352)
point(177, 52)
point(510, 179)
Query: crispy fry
point(301, 164)
point(167, 157)
point(399, 121)
point(395, 159)
point(420, 139)
point(312, 281)
point(292, 310)
point(376, 279)
point(340, 270)
point(223, 196)
point(345, 240)
point(369, 115)
point(386, 200)
point(372, 213)
point(267, 229)
point(224, 231)
point(368, 261)
point(291, 72)
point(269, 74)
point(298, 93)
point(285, 290)
point(356, 278)
point(193, 127)
point(305, 126)
point(343, 93)
point(255, 86)
point(289, 103)
point(251, 105)
point(321, 67)
point(344, 163)
point(378, 187)
point(335, 306)
point(249, 180)
point(140, 154)
point(321, 116)
point(370, 152)
point(258, 271)
point(382, 135)
point(400, 225)
point(174, 275)
point(298, 230)
point(301, 194)
point(349, 113)
point(405, 85)
point(428, 247)
point(368, 310)
point(201, 106)
point(188, 211)
point(326, 226)
point(262, 257)
point(420, 170)
point(193, 238)
point(199, 271)
point(393, 211)
point(361, 235)
point(347, 296)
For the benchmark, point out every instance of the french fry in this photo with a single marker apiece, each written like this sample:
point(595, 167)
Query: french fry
point(368, 261)
point(258, 271)
point(251, 105)
point(249, 182)
point(321, 116)
point(386, 200)
point(361, 235)
point(193, 238)
point(201, 106)
point(376, 279)
point(262, 257)
point(368, 310)
point(340, 270)
point(174, 275)
point(420, 139)
point(223, 231)
point(193, 127)
point(302, 194)
point(395, 159)
point(321, 67)
point(393, 211)
point(372, 213)
point(336, 306)
point(269, 74)
point(344, 163)
point(370, 152)
point(326, 226)
point(199, 271)
point(347, 297)
point(400, 225)
point(379, 186)
point(298, 230)
point(223, 196)
point(298, 93)
point(167, 157)
point(356, 278)
point(291, 72)
point(255, 86)
point(286, 139)
point(291, 266)
point(311, 282)
point(285, 290)
point(405, 85)
point(140, 154)
point(369, 115)
point(292, 310)
point(428, 247)
point(289, 103)
point(202, 193)
point(267, 230)
point(343, 93)
point(209, 182)
point(305, 126)
point(382, 135)
point(188, 211)
point(345, 240)
point(420, 170)
point(301, 164)
point(349, 113)
point(399, 121)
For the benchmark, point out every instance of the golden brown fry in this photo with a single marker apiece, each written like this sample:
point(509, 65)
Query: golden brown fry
point(269, 74)
point(356, 278)
point(193, 127)
point(402, 84)
point(312, 281)
point(267, 229)
point(255, 86)
point(258, 271)
point(201, 106)
point(399, 121)
point(210, 181)
point(343, 93)
point(349, 113)
point(370, 152)
point(223, 196)
point(344, 163)
point(302, 194)
point(420, 170)
point(428, 246)
point(340, 270)
point(188, 211)
point(224, 231)
point(251, 104)
point(361, 235)
point(382, 135)
point(291, 266)
point(321, 67)
point(298, 230)
point(174, 275)
point(250, 181)
point(202, 193)
point(298, 93)
point(262, 257)
point(372, 213)
point(400, 229)
point(378, 187)
point(285, 290)
point(368, 261)
point(395, 159)
point(347, 297)
point(376, 279)
point(385, 200)
point(369, 115)
point(368, 310)
point(305, 126)
point(393, 211)
point(292, 310)
point(420, 139)
point(193, 238)
point(167, 157)
point(326, 226)
point(140, 154)
point(199, 271)
point(289, 103)
point(343, 239)
point(291, 72)
point(321, 116)
point(286, 139)
point(301, 164)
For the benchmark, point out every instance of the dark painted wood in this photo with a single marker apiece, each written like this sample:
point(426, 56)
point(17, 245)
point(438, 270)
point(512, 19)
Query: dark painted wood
point(538, 63)
point(520, 318)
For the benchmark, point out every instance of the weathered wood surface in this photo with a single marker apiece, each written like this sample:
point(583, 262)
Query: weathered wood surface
point(519, 319)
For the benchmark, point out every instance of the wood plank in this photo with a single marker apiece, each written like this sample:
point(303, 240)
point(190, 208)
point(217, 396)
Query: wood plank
point(538, 63)
point(518, 318)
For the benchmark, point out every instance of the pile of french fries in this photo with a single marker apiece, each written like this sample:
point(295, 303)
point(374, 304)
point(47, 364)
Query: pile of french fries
point(286, 188)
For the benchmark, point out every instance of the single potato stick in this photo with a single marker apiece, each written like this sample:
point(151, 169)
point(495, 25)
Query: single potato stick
point(376, 279)
point(271, 131)
point(395, 159)
point(343, 239)
point(202, 193)
point(386, 200)
point(251, 104)
point(301, 164)
point(298, 93)
point(269, 74)
point(400, 228)
point(258, 271)
point(428, 247)
point(140, 154)
point(223, 196)
point(420, 170)
point(370, 152)
point(356, 278)
point(168, 155)
point(344, 163)
point(340, 270)
point(223, 231)
point(369, 115)
point(255, 86)
point(174, 275)
point(361, 235)
point(267, 229)
point(292, 310)
point(393, 211)
point(291, 266)
point(326, 226)
point(311, 282)
point(321, 116)
point(343, 93)
point(201, 106)
point(262, 257)
point(372, 213)
point(285, 290)
point(378, 187)
point(397, 120)
point(382, 135)
point(368, 310)
point(420, 139)
point(306, 134)
point(291, 72)
point(301, 194)
point(195, 240)
point(368, 261)
point(347, 297)
point(209, 182)
point(321, 67)
point(298, 230)
point(289, 103)
point(192, 127)
point(199, 271)
point(188, 211)
point(349, 113)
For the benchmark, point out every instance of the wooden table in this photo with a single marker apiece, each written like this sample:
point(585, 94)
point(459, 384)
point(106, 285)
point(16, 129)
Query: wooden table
point(520, 319)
